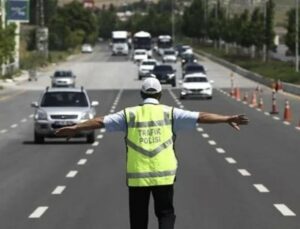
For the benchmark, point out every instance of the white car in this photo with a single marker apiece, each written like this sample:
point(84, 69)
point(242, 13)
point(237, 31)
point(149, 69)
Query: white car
point(169, 55)
point(146, 66)
point(140, 55)
point(86, 48)
point(196, 84)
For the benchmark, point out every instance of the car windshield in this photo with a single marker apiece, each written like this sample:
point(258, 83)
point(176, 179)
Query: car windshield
point(163, 68)
point(149, 63)
point(195, 79)
point(196, 68)
point(64, 99)
point(169, 53)
point(140, 53)
point(63, 74)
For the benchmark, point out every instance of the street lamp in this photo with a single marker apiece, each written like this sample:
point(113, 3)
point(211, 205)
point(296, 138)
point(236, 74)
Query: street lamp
point(173, 21)
point(297, 37)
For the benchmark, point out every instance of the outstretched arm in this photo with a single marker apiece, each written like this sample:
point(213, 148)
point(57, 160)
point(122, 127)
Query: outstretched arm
point(233, 120)
point(70, 131)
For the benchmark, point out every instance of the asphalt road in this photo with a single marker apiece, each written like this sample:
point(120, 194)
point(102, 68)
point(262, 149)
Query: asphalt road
point(226, 179)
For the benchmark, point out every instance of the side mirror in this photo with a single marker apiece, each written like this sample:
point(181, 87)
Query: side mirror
point(94, 103)
point(35, 104)
point(180, 82)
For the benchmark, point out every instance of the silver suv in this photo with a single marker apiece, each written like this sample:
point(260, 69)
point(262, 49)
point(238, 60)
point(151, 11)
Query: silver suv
point(63, 78)
point(59, 107)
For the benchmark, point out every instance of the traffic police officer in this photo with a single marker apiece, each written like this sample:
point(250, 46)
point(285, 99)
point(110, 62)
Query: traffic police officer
point(151, 162)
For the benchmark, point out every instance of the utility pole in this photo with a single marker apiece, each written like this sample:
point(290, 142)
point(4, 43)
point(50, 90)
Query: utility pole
point(265, 30)
point(297, 37)
point(42, 31)
point(3, 24)
point(173, 21)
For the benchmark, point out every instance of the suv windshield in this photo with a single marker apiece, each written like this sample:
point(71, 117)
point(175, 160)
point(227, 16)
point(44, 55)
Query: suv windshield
point(195, 79)
point(63, 74)
point(195, 68)
point(163, 68)
point(64, 99)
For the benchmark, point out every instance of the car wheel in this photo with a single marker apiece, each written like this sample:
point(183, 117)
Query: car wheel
point(140, 77)
point(39, 139)
point(174, 83)
point(182, 97)
point(209, 97)
point(90, 138)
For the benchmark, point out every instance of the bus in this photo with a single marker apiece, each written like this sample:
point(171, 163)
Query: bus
point(142, 40)
point(164, 42)
point(120, 43)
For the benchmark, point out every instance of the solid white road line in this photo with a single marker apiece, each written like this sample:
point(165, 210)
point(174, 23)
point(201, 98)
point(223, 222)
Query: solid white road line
point(261, 188)
point(100, 136)
point(95, 144)
point(220, 150)
point(72, 174)
point(244, 172)
point(58, 190)
point(3, 131)
point(200, 129)
point(38, 212)
point(13, 125)
point(211, 142)
point(82, 161)
point(89, 151)
point(24, 120)
point(230, 160)
point(205, 135)
point(284, 210)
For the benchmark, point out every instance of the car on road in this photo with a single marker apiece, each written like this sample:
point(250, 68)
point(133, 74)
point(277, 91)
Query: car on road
point(140, 55)
point(165, 74)
point(181, 49)
point(188, 58)
point(193, 68)
point(145, 67)
point(87, 48)
point(63, 78)
point(60, 107)
point(196, 85)
point(169, 55)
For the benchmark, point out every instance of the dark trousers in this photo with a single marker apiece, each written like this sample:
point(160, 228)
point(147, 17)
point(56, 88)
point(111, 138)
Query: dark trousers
point(163, 206)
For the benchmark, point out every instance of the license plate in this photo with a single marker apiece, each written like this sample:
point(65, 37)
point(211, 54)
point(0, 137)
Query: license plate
point(64, 123)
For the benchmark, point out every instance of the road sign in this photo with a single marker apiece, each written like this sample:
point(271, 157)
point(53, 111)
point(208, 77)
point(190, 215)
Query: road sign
point(17, 10)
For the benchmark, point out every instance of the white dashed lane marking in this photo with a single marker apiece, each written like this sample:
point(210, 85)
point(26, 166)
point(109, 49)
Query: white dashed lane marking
point(72, 174)
point(24, 120)
point(181, 106)
point(230, 160)
point(95, 144)
point(82, 161)
point(205, 135)
point(3, 131)
point(31, 116)
point(276, 118)
point(14, 126)
point(89, 151)
point(38, 212)
point(284, 210)
point(102, 130)
point(58, 190)
point(211, 142)
point(244, 172)
point(286, 123)
point(220, 150)
point(200, 129)
point(261, 188)
point(100, 136)
point(267, 113)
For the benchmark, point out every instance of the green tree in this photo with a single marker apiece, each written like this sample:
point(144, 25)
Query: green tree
point(7, 43)
point(269, 25)
point(290, 39)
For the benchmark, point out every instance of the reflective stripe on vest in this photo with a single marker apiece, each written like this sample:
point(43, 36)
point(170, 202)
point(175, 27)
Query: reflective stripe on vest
point(151, 159)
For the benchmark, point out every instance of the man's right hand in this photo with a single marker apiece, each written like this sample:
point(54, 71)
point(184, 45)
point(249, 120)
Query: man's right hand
point(68, 131)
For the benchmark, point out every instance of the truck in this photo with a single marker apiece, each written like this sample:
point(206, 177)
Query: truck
point(164, 42)
point(120, 43)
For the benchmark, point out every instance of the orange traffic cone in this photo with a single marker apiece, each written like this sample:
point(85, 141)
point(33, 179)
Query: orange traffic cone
point(274, 104)
point(237, 94)
point(260, 104)
point(232, 92)
point(245, 98)
point(253, 100)
point(287, 117)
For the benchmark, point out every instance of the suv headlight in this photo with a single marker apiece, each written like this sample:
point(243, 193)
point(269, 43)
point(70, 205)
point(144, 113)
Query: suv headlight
point(172, 75)
point(40, 115)
point(86, 115)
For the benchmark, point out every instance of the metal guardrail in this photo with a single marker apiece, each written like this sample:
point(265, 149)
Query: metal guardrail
point(287, 87)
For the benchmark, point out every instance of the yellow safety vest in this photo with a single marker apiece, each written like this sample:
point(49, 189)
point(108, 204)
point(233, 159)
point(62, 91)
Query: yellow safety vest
point(151, 159)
